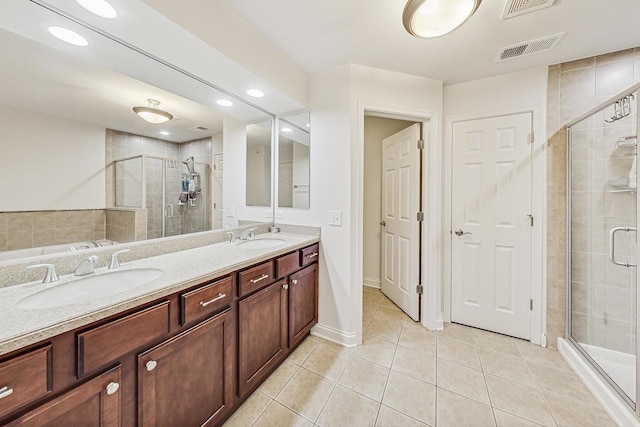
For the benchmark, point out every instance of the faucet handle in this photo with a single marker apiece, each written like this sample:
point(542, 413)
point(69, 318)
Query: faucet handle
point(114, 259)
point(50, 276)
point(232, 236)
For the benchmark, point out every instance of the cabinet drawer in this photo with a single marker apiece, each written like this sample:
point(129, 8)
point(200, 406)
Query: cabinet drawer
point(287, 264)
point(100, 346)
point(206, 300)
point(24, 378)
point(310, 254)
point(255, 278)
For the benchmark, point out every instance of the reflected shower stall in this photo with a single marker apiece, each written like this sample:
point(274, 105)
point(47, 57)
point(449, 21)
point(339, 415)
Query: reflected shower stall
point(601, 241)
point(174, 193)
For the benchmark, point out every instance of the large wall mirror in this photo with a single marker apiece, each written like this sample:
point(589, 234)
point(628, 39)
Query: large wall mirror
point(79, 168)
point(293, 161)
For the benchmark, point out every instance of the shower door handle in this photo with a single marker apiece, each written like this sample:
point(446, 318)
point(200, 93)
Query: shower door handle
point(169, 211)
point(612, 245)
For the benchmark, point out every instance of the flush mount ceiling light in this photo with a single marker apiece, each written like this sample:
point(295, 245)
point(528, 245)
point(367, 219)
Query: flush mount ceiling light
point(99, 7)
point(256, 93)
point(434, 18)
point(152, 113)
point(68, 36)
point(224, 103)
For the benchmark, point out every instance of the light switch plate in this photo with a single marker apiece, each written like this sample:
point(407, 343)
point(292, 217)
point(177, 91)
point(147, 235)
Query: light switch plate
point(230, 211)
point(335, 218)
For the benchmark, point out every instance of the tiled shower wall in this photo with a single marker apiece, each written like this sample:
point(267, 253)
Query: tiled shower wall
point(573, 89)
point(186, 219)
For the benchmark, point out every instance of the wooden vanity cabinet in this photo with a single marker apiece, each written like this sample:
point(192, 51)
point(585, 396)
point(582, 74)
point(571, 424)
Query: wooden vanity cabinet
point(303, 303)
point(188, 380)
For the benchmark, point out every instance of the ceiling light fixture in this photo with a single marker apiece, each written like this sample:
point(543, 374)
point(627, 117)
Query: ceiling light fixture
point(152, 113)
point(224, 103)
point(434, 18)
point(256, 93)
point(286, 130)
point(68, 36)
point(99, 7)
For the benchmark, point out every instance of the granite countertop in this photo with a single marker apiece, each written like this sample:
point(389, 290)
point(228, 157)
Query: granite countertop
point(22, 327)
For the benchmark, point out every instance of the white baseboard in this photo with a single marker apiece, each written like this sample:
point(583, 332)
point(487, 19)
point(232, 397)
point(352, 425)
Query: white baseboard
point(371, 282)
point(335, 335)
point(613, 404)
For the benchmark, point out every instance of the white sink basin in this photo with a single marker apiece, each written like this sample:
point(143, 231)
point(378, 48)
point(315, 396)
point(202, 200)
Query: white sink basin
point(267, 242)
point(88, 288)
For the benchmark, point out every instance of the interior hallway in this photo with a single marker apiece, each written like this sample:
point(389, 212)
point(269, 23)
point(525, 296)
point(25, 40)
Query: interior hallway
point(406, 375)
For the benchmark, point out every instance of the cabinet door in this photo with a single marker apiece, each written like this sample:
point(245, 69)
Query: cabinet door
point(94, 403)
point(262, 335)
point(303, 303)
point(188, 380)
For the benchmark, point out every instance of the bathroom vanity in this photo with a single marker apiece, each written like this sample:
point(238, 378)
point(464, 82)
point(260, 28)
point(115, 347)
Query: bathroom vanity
point(187, 352)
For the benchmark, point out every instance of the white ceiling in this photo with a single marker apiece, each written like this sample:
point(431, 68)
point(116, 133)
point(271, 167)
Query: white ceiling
point(320, 34)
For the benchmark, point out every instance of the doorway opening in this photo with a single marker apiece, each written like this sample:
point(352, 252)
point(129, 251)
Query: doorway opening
point(391, 201)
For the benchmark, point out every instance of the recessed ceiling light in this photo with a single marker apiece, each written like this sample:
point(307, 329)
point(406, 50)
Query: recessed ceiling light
point(255, 93)
point(68, 36)
point(164, 132)
point(99, 7)
point(224, 103)
point(286, 129)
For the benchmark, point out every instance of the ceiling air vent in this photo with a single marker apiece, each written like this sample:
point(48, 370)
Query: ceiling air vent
point(528, 48)
point(520, 7)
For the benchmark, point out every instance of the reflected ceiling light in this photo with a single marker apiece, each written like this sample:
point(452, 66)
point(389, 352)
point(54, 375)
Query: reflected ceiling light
point(224, 103)
point(99, 7)
point(68, 36)
point(152, 113)
point(286, 130)
point(164, 132)
point(433, 18)
point(256, 93)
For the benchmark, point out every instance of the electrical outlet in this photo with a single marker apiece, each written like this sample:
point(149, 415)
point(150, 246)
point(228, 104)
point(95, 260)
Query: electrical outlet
point(335, 218)
point(269, 214)
point(279, 214)
point(230, 211)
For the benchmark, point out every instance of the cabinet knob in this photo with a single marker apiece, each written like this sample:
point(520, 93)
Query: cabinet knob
point(285, 286)
point(294, 282)
point(112, 388)
point(151, 365)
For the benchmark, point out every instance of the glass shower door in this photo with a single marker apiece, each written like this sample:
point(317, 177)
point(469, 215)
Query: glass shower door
point(602, 217)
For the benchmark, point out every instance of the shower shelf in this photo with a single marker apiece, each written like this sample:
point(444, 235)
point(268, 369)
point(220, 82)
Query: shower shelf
point(621, 186)
point(627, 142)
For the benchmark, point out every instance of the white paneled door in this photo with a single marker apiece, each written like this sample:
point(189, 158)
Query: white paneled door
point(492, 224)
point(400, 227)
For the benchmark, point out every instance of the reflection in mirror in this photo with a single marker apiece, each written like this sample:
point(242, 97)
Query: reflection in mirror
point(293, 161)
point(259, 164)
point(80, 169)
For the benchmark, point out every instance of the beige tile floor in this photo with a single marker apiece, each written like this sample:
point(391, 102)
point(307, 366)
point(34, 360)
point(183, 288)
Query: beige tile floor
point(406, 375)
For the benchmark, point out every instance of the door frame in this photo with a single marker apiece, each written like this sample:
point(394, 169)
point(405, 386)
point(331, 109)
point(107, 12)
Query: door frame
point(538, 207)
point(431, 313)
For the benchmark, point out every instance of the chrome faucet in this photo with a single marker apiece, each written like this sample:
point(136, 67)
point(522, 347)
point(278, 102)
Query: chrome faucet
point(86, 266)
point(232, 236)
point(114, 259)
point(248, 234)
point(50, 276)
point(96, 244)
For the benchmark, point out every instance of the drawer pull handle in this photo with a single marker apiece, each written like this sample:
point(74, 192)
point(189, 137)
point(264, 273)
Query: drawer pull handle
point(294, 282)
point(5, 391)
point(285, 286)
point(112, 388)
point(151, 365)
point(206, 303)
point(313, 255)
point(259, 279)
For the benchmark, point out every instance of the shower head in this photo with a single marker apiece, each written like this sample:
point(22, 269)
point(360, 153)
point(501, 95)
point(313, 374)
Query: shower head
point(189, 163)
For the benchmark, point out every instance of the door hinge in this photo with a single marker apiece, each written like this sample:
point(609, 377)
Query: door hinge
point(530, 218)
point(531, 304)
point(420, 216)
point(531, 137)
point(420, 144)
point(419, 289)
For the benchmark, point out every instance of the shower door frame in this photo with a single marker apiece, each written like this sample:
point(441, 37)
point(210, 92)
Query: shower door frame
point(568, 306)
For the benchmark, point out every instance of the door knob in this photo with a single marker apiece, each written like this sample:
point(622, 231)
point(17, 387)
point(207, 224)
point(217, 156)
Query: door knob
point(459, 232)
point(382, 223)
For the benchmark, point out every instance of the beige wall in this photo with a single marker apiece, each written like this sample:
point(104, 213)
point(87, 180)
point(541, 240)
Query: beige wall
point(375, 130)
point(573, 89)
